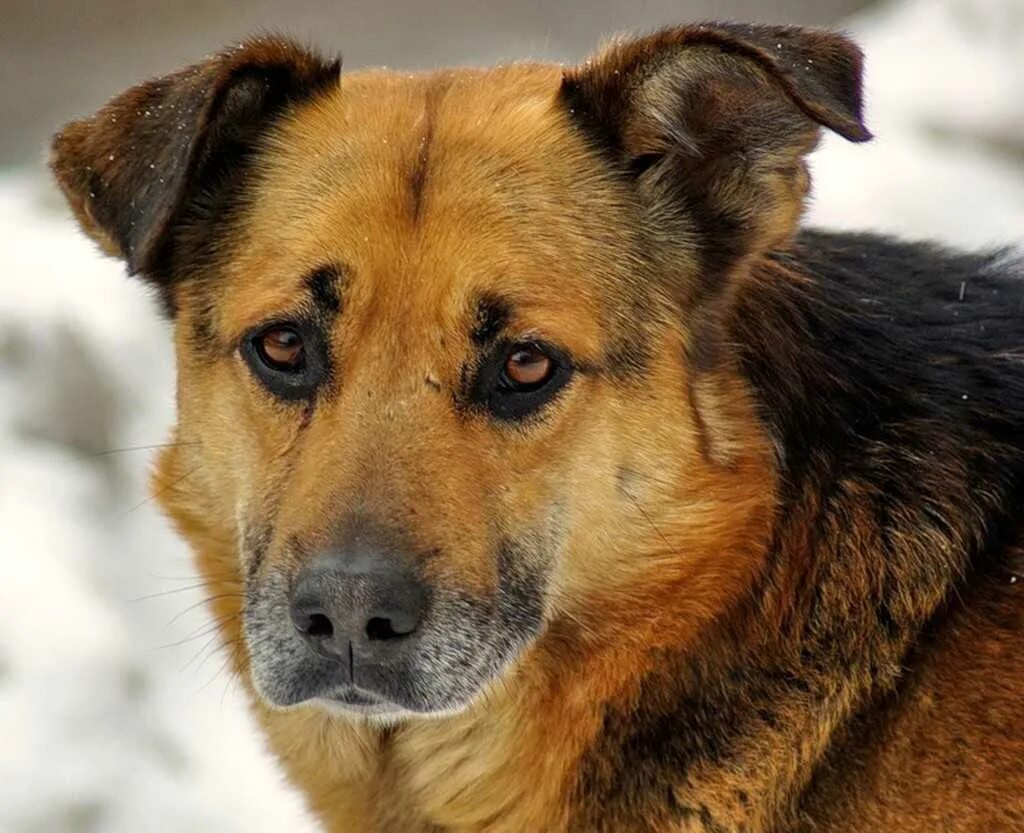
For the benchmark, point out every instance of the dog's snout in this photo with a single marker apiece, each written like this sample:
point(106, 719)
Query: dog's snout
point(357, 601)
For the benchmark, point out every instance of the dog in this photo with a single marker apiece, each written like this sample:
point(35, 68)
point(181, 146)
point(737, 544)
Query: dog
point(546, 474)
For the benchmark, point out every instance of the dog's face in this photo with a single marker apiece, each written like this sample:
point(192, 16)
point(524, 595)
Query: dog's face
point(411, 359)
point(447, 373)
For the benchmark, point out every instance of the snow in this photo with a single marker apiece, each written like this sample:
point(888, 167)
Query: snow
point(116, 712)
point(945, 92)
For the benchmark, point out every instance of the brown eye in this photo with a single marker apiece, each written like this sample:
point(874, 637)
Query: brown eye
point(517, 379)
point(526, 367)
point(290, 358)
point(281, 349)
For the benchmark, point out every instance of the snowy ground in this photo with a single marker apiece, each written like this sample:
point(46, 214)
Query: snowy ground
point(115, 712)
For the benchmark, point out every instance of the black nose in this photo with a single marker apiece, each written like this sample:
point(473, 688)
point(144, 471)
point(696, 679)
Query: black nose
point(357, 601)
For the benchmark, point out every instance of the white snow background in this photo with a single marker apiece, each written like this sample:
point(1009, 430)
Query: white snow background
point(116, 713)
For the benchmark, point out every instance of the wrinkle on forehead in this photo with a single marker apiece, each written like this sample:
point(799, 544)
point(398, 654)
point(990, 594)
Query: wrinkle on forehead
point(424, 128)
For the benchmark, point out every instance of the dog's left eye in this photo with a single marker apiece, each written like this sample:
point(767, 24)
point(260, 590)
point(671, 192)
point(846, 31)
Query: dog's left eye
point(526, 367)
point(281, 349)
point(520, 378)
point(285, 358)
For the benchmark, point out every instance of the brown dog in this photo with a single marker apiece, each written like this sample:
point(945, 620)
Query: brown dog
point(546, 476)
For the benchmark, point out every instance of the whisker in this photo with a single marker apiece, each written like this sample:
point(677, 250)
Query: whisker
point(206, 601)
point(209, 578)
point(204, 585)
point(234, 678)
point(212, 641)
point(220, 670)
point(164, 489)
point(110, 451)
point(214, 624)
point(647, 517)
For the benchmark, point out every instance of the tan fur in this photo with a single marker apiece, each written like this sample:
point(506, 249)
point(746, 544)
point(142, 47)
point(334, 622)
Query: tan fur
point(428, 190)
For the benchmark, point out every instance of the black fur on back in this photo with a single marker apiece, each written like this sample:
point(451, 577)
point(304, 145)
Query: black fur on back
point(886, 334)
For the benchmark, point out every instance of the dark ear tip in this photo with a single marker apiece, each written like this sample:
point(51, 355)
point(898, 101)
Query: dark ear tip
point(68, 161)
point(855, 130)
point(821, 70)
point(61, 151)
point(858, 132)
point(841, 70)
point(274, 49)
point(128, 171)
point(58, 149)
point(62, 161)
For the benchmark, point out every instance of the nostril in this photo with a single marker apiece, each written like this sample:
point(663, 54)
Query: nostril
point(318, 626)
point(381, 629)
point(370, 600)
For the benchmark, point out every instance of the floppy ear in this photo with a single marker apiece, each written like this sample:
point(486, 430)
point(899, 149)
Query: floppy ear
point(133, 170)
point(714, 120)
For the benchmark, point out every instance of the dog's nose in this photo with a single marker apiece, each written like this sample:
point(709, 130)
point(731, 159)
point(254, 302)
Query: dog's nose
point(363, 602)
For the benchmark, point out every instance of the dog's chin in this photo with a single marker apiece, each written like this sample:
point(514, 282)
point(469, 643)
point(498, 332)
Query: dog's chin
point(358, 706)
point(356, 702)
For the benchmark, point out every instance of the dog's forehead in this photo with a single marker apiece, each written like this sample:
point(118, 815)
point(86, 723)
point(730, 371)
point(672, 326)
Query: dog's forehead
point(434, 186)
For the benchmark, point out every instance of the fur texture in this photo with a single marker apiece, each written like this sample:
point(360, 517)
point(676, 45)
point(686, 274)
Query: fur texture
point(749, 560)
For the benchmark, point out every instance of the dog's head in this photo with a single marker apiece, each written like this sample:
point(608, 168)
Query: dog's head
point(451, 373)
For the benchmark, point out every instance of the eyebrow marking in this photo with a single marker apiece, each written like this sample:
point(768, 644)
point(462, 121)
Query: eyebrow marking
point(492, 316)
point(323, 287)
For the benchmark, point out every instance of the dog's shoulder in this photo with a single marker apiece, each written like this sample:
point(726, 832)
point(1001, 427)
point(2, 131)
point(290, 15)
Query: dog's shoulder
point(849, 330)
point(932, 290)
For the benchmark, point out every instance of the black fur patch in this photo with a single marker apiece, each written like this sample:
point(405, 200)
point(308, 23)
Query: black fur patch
point(492, 316)
point(323, 287)
point(884, 347)
point(893, 383)
point(141, 168)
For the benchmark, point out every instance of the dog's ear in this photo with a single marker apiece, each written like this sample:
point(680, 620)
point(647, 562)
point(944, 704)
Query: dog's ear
point(713, 121)
point(133, 169)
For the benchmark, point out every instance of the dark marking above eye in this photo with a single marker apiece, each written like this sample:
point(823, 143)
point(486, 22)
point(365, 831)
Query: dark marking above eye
point(424, 134)
point(492, 316)
point(323, 286)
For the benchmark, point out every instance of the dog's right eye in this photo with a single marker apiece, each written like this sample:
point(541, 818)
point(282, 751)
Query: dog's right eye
point(286, 358)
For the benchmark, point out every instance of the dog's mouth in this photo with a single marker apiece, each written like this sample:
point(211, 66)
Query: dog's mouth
point(352, 700)
point(353, 696)
point(439, 670)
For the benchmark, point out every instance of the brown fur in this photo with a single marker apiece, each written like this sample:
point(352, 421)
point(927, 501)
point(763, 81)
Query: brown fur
point(735, 637)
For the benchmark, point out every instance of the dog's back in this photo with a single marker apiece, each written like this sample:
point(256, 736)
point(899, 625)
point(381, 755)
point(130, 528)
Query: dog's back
point(913, 375)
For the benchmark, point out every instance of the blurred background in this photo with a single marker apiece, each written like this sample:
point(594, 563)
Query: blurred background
point(116, 711)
